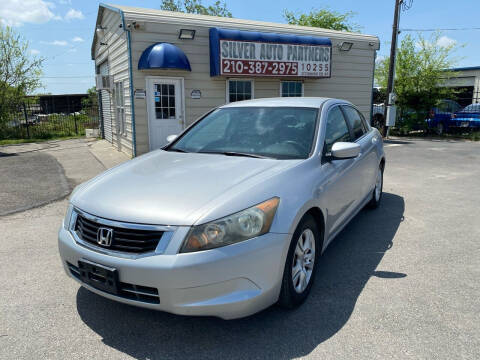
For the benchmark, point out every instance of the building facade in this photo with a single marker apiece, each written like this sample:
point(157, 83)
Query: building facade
point(163, 70)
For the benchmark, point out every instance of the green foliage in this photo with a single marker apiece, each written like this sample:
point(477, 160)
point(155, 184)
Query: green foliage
point(323, 18)
point(19, 73)
point(219, 8)
point(50, 126)
point(91, 100)
point(421, 70)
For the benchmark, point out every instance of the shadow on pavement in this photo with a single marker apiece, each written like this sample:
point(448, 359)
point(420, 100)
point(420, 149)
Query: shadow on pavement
point(345, 268)
point(397, 142)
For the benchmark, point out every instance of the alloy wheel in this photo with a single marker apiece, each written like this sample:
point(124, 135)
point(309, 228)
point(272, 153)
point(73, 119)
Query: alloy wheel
point(303, 261)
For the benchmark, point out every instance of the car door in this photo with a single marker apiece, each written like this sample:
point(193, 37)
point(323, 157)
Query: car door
point(366, 162)
point(342, 186)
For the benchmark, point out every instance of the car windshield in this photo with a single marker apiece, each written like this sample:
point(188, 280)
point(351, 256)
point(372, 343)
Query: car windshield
point(472, 108)
point(279, 133)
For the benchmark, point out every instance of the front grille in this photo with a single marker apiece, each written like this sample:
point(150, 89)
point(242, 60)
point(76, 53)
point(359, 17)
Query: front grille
point(126, 240)
point(125, 290)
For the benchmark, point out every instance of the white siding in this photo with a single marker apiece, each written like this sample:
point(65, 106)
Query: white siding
point(116, 54)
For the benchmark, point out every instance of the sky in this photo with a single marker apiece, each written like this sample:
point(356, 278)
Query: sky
point(61, 31)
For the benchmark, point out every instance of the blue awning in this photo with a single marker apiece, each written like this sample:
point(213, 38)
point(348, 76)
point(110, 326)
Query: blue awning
point(163, 56)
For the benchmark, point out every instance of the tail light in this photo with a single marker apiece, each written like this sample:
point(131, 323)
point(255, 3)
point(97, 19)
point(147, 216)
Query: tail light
point(431, 114)
point(454, 116)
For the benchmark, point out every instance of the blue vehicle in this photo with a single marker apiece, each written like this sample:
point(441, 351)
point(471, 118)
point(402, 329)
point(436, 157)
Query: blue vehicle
point(468, 117)
point(441, 118)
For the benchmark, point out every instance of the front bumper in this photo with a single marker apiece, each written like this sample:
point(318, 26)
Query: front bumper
point(228, 282)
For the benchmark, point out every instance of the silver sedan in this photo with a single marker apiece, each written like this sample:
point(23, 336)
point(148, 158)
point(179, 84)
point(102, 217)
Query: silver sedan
point(232, 215)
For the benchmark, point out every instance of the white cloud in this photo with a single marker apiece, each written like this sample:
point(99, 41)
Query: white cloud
point(34, 52)
point(65, 2)
point(77, 39)
point(74, 14)
point(445, 41)
point(72, 50)
point(19, 12)
point(55, 42)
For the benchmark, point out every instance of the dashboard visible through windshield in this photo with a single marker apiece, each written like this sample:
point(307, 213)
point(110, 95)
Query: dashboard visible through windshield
point(279, 133)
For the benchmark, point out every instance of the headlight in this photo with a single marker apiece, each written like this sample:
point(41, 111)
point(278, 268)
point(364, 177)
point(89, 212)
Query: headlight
point(240, 226)
point(68, 217)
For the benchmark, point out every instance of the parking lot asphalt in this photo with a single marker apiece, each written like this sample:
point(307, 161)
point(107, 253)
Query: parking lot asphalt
point(400, 282)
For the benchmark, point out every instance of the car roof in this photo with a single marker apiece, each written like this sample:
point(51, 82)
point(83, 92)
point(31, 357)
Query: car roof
point(310, 102)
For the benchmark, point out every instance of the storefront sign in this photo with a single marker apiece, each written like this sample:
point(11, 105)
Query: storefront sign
point(244, 53)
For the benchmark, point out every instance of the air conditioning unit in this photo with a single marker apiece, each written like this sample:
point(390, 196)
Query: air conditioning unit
point(104, 82)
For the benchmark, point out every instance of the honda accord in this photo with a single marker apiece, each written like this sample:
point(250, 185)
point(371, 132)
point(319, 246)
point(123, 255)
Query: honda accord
point(232, 215)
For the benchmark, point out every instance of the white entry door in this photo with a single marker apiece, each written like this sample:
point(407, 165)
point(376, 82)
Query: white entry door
point(165, 109)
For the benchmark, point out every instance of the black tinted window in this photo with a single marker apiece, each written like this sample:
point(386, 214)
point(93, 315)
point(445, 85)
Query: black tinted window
point(337, 129)
point(355, 121)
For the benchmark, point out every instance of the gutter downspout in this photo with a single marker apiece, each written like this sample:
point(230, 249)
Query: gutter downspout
point(132, 105)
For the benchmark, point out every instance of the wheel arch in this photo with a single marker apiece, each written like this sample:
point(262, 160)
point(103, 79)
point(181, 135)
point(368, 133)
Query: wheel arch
point(319, 218)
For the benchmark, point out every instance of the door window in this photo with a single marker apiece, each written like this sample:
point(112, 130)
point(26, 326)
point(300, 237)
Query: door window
point(356, 121)
point(164, 97)
point(336, 128)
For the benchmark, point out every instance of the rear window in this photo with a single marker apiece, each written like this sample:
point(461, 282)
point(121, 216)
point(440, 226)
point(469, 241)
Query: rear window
point(472, 108)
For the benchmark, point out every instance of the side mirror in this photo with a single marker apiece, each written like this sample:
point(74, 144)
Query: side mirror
point(345, 150)
point(170, 138)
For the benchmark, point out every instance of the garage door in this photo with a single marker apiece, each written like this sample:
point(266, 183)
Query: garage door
point(106, 107)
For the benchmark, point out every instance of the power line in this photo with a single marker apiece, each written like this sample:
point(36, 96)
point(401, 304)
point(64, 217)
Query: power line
point(444, 29)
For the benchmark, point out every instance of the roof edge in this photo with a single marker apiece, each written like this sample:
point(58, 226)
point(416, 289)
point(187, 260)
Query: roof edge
point(130, 11)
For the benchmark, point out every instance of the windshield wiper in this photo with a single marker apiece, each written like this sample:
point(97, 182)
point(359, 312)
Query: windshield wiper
point(234, 153)
point(177, 150)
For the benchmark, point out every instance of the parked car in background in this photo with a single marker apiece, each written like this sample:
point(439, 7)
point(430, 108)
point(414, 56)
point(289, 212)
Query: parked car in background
point(441, 117)
point(232, 215)
point(468, 117)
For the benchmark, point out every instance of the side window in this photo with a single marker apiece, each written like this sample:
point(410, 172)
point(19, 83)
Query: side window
point(337, 129)
point(120, 108)
point(355, 120)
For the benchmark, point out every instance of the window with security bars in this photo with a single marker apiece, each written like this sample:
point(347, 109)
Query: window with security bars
point(165, 101)
point(291, 89)
point(239, 90)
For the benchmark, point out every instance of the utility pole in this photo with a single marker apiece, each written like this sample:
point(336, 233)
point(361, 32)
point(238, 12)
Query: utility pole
point(390, 110)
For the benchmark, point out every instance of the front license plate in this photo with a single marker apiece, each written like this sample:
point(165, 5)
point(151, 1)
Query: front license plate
point(99, 276)
point(464, 124)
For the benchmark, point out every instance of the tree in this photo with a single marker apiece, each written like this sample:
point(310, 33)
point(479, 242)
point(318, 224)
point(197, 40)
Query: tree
point(219, 8)
point(421, 70)
point(323, 18)
point(19, 72)
point(91, 100)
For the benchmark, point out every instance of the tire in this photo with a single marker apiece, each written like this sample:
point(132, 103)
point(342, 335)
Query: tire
point(439, 129)
point(293, 293)
point(378, 190)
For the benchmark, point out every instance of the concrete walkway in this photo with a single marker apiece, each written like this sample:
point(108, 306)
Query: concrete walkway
point(36, 174)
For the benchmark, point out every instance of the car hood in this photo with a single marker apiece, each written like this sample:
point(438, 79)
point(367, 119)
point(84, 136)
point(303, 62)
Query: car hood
point(171, 188)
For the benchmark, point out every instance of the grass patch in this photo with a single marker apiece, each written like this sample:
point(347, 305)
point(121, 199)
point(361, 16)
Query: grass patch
point(22, 141)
